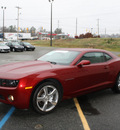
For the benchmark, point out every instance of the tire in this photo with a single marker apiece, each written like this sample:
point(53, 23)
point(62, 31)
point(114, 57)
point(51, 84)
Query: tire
point(13, 49)
point(46, 97)
point(116, 87)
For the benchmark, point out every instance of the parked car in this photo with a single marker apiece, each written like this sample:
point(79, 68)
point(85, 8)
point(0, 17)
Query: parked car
point(57, 75)
point(14, 46)
point(27, 46)
point(4, 48)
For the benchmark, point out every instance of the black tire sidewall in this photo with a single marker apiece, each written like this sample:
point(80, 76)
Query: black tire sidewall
point(13, 49)
point(115, 88)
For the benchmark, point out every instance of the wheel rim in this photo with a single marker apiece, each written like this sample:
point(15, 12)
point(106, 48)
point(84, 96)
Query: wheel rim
point(47, 98)
point(119, 82)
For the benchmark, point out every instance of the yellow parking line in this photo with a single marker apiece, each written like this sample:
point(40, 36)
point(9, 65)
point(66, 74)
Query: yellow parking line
point(82, 117)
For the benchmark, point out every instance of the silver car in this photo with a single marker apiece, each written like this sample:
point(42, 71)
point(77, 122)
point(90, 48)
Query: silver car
point(4, 48)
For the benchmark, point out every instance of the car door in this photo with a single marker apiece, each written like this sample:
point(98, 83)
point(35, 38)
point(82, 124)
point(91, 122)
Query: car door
point(93, 75)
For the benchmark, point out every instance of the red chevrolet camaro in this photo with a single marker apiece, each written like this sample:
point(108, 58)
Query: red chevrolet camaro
point(57, 75)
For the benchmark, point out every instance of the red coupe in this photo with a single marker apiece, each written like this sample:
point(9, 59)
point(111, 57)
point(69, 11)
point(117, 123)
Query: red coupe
point(57, 75)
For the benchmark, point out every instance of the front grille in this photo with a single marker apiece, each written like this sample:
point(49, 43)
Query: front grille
point(5, 50)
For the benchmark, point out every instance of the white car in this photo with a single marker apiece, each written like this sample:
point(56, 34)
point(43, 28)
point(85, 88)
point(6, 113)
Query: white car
point(1, 39)
point(4, 48)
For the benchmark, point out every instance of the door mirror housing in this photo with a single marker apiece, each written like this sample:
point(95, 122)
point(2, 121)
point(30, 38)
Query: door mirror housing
point(83, 62)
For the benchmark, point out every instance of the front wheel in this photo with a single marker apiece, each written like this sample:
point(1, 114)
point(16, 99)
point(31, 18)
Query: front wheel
point(13, 49)
point(116, 88)
point(46, 97)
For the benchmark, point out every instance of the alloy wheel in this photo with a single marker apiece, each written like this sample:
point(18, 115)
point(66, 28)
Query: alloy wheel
point(47, 98)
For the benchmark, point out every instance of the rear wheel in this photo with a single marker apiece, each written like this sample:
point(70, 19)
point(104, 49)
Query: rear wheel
point(46, 97)
point(116, 88)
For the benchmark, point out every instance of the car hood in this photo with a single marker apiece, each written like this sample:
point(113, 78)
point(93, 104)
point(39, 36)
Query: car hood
point(29, 45)
point(22, 69)
point(19, 46)
point(4, 47)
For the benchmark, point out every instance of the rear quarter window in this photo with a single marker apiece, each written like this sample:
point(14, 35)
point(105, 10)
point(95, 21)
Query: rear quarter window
point(107, 57)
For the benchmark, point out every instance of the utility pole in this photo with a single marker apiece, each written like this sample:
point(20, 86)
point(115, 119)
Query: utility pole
point(58, 23)
point(105, 32)
point(18, 21)
point(51, 1)
point(76, 26)
point(91, 30)
point(3, 8)
point(98, 26)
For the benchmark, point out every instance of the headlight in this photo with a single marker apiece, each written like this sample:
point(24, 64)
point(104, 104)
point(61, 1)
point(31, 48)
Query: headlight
point(8, 83)
point(16, 46)
point(28, 46)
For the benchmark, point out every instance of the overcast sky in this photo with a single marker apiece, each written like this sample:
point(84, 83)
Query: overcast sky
point(37, 13)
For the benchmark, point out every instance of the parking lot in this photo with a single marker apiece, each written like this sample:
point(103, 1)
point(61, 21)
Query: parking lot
point(101, 109)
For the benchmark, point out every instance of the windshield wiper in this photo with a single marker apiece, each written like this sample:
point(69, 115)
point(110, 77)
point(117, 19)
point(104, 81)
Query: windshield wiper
point(52, 62)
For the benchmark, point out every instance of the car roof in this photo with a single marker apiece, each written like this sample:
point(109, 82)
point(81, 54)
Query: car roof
point(82, 49)
point(85, 50)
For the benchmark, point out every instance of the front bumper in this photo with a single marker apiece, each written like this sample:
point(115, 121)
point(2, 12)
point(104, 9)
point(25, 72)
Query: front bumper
point(4, 50)
point(20, 94)
point(30, 48)
point(19, 49)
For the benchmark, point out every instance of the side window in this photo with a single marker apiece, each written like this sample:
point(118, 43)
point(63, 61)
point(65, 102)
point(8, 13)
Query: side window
point(107, 57)
point(94, 57)
point(10, 44)
point(21, 43)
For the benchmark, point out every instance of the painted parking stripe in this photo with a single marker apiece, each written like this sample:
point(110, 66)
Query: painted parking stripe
point(82, 117)
point(6, 117)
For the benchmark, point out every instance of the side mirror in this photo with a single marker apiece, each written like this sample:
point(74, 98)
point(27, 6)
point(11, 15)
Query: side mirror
point(83, 62)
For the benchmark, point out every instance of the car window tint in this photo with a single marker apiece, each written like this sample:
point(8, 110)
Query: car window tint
point(9, 44)
point(107, 57)
point(94, 57)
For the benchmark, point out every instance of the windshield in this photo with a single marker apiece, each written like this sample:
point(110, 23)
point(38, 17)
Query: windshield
point(26, 43)
point(2, 44)
point(15, 43)
point(60, 57)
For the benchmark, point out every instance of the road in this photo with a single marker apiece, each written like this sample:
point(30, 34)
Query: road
point(101, 109)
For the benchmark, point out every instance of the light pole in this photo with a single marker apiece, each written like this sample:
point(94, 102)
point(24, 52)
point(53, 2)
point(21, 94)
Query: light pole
point(3, 8)
point(76, 26)
point(91, 30)
point(51, 1)
point(98, 26)
point(18, 21)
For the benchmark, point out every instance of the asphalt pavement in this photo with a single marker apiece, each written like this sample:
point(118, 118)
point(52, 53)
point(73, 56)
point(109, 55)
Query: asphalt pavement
point(101, 109)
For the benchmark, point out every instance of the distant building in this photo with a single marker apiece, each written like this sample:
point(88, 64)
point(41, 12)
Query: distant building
point(46, 36)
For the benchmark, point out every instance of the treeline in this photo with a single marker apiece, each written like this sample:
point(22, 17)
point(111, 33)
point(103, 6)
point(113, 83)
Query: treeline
point(87, 35)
